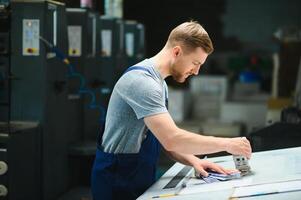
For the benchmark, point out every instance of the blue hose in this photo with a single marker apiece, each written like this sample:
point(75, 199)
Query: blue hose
point(82, 88)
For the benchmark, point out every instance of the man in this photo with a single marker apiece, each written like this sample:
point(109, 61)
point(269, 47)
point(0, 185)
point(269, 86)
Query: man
point(138, 122)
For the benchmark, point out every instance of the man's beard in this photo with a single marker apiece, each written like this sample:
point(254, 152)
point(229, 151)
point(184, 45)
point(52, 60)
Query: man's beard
point(177, 76)
point(179, 79)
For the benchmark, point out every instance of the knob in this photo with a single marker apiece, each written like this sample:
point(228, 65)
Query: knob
point(3, 167)
point(3, 191)
point(30, 50)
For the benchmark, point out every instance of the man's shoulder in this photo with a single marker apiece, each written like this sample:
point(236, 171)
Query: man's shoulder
point(138, 86)
point(138, 78)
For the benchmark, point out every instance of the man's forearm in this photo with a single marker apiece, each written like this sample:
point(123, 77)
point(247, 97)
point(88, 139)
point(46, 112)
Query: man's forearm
point(181, 141)
point(185, 159)
point(198, 144)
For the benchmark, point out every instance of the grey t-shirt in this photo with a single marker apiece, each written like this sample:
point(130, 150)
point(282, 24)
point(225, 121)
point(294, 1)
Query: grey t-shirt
point(137, 94)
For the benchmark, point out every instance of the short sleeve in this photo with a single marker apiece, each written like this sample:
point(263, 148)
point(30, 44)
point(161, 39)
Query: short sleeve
point(145, 96)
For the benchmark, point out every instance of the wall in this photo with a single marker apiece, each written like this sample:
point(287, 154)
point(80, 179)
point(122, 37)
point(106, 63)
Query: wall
point(254, 22)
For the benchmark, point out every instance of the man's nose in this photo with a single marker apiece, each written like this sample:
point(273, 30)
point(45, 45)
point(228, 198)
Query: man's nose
point(196, 70)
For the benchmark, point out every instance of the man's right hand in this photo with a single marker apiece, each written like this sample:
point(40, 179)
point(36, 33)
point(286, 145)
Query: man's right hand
point(239, 146)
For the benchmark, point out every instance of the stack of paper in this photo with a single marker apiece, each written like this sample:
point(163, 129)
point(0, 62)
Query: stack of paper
point(215, 177)
point(224, 177)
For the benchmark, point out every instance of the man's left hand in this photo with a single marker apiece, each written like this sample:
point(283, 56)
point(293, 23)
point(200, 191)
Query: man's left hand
point(202, 166)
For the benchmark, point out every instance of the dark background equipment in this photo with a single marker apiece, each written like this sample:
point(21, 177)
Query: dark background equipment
point(39, 86)
point(5, 75)
point(20, 161)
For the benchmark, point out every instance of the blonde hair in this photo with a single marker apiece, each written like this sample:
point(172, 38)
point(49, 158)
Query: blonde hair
point(190, 35)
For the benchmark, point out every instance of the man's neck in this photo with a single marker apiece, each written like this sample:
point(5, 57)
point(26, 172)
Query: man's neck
point(162, 63)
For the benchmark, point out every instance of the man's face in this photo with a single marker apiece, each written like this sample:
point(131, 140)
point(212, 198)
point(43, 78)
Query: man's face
point(186, 64)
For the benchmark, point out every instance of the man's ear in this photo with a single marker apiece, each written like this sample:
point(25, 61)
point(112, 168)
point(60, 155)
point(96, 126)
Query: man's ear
point(176, 51)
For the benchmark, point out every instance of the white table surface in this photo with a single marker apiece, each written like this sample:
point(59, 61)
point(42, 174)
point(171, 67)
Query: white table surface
point(267, 167)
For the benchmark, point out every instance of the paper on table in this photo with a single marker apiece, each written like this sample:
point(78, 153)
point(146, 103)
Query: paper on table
point(268, 188)
point(223, 185)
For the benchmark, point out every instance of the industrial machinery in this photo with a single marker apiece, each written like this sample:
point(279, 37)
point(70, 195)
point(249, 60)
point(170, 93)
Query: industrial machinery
point(134, 42)
point(20, 146)
point(84, 54)
point(58, 68)
point(4, 62)
point(276, 136)
point(85, 89)
point(20, 161)
point(113, 60)
point(39, 86)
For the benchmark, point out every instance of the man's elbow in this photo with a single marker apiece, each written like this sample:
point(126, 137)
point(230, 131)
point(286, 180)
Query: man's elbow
point(170, 143)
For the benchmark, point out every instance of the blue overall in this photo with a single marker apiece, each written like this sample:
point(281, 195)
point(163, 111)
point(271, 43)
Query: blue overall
point(125, 176)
